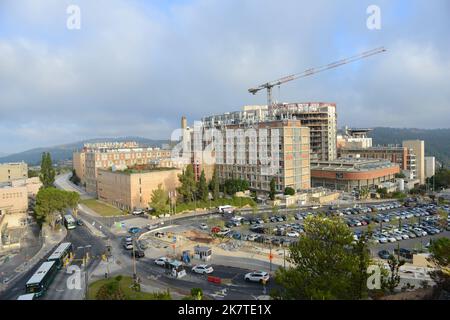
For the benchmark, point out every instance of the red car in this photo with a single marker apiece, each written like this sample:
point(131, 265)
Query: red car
point(215, 229)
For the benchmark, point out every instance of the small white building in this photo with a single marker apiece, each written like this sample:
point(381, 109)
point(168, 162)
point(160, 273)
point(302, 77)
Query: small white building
point(430, 166)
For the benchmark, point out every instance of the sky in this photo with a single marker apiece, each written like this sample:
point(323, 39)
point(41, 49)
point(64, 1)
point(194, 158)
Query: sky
point(135, 67)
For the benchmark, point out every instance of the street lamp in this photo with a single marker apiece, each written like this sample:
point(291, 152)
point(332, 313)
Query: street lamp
point(85, 262)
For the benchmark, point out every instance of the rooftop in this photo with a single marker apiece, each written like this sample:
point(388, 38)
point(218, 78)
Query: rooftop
point(351, 164)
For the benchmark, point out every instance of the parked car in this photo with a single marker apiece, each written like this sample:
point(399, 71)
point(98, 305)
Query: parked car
point(293, 234)
point(161, 261)
point(80, 222)
point(252, 237)
point(138, 253)
point(204, 226)
point(384, 254)
point(203, 269)
point(138, 212)
point(134, 230)
point(405, 253)
point(257, 276)
point(127, 244)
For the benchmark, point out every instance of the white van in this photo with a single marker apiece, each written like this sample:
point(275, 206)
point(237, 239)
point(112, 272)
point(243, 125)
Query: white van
point(225, 209)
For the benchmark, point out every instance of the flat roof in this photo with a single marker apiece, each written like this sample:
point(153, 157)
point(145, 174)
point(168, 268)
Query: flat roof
point(28, 296)
point(351, 164)
point(41, 272)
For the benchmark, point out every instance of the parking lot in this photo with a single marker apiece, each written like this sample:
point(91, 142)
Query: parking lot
point(392, 225)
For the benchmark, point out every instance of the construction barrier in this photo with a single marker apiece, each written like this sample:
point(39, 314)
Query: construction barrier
point(216, 280)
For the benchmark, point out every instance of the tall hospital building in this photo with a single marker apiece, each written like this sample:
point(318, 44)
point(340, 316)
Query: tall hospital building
point(303, 131)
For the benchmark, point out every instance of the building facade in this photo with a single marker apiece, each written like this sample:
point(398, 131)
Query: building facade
point(13, 199)
point(319, 117)
point(418, 148)
point(259, 152)
point(103, 156)
point(430, 167)
point(131, 189)
point(13, 171)
point(79, 165)
point(352, 174)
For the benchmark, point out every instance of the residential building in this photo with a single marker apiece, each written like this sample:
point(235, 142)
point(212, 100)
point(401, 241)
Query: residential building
point(13, 199)
point(418, 148)
point(258, 152)
point(132, 188)
point(348, 174)
point(13, 171)
point(32, 184)
point(430, 167)
point(105, 155)
point(79, 165)
point(319, 117)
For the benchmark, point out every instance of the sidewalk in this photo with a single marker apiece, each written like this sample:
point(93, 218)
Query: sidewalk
point(51, 239)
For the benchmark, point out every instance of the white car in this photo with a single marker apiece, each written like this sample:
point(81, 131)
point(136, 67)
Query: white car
point(252, 237)
point(203, 269)
point(293, 234)
point(257, 276)
point(203, 226)
point(137, 212)
point(389, 237)
point(161, 261)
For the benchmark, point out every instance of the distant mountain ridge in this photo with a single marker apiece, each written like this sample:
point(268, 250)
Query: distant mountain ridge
point(64, 152)
point(437, 141)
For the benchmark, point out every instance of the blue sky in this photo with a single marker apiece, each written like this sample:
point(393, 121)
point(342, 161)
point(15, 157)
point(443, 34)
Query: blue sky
point(136, 67)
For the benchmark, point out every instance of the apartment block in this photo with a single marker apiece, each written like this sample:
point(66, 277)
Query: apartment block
point(418, 148)
point(106, 155)
point(261, 151)
point(13, 199)
point(430, 167)
point(132, 187)
point(79, 165)
point(319, 117)
point(13, 171)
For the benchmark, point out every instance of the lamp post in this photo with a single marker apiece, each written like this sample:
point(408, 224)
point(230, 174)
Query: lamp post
point(85, 262)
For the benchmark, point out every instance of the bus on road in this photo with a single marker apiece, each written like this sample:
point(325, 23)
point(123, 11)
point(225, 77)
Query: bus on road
point(41, 279)
point(69, 222)
point(62, 255)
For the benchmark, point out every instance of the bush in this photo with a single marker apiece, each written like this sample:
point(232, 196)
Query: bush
point(289, 191)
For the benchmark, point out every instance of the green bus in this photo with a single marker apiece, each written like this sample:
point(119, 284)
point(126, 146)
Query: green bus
point(62, 255)
point(41, 279)
point(69, 222)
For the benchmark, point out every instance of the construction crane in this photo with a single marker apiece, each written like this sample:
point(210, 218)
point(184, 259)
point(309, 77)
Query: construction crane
point(309, 72)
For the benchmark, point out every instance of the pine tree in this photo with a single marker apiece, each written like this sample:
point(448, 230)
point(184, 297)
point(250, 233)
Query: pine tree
point(202, 187)
point(215, 185)
point(47, 175)
point(188, 187)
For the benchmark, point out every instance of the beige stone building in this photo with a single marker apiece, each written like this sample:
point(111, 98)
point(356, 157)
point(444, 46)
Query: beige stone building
point(130, 188)
point(13, 199)
point(13, 171)
point(32, 184)
point(418, 148)
point(257, 153)
point(79, 162)
point(94, 157)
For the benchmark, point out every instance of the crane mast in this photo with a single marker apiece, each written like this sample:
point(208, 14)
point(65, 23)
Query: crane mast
point(309, 72)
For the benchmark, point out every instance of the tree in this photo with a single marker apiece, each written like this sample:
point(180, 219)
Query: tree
point(440, 259)
point(160, 200)
point(111, 291)
point(232, 186)
point(272, 189)
point(51, 202)
point(215, 185)
point(400, 175)
point(188, 186)
point(202, 187)
point(392, 281)
point(289, 191)
point(364, 192)
point(47, 174)
point(327, 264)
point(382, 192)
point(33, 173)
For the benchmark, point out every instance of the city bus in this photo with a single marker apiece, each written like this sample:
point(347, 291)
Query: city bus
point(62, 254)
point(41, 279)
point(28, 296)
point(69, 222)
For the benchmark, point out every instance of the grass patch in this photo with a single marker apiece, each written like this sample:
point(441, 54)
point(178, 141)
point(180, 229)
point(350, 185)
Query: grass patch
point(235, 202)
point(102, 208)
point(125, 285)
